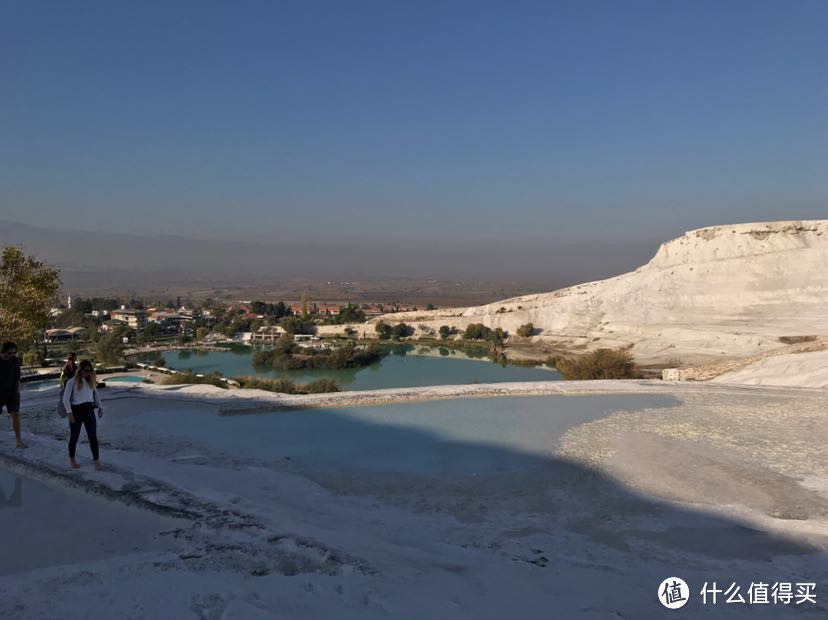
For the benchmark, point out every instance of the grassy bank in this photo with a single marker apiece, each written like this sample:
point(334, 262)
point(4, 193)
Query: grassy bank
point(286, 386)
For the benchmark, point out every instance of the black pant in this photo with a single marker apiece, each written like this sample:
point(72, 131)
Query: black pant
point(84, 416)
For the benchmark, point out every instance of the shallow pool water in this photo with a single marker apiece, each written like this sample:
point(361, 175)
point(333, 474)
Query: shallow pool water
point(38, 386)
point(404, 366)
point(442, 438)
point(47, 384)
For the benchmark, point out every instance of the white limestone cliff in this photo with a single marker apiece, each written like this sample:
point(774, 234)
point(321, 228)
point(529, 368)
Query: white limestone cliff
point(714, 293)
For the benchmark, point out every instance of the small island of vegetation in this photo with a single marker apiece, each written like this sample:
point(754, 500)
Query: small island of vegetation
point(287, 355)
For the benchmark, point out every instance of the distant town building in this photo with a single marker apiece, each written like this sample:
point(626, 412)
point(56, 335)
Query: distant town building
point(64, 335)
point(112, 324)
point(57, 335)
point(168, 321)
point(135, 319)
point(267, 333)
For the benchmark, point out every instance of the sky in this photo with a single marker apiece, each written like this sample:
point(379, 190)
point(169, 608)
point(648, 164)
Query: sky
point(454, 122)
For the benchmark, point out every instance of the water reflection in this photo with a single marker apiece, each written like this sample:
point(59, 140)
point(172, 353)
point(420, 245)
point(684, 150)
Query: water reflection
point(15, 500)
point(403, 365)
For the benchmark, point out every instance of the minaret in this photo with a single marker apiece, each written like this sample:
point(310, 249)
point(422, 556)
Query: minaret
point(69, 301)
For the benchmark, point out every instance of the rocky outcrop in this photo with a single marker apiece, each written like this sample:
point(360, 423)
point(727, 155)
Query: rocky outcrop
point(714, 293)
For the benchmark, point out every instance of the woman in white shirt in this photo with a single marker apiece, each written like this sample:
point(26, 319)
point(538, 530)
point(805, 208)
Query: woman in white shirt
point(80, 396)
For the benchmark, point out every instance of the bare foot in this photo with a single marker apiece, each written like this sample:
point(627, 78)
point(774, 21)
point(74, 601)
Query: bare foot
point(98, 465)
point(20, 444)
point(74, 464)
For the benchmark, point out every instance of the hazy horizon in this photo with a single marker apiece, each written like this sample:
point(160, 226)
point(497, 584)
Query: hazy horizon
point(539, 144)
point(104, 261)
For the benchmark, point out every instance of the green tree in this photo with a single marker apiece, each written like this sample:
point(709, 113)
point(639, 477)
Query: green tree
point(201, 333)
point(109, 348)
point(445, 331)
point(69, 318)
point(84, 306)
point(401, 330)
point(28, 289)
point(383, 330)
point(34, 357)
point(151, 330)
point(478, 331)
point(350, 314)
point(296, 325)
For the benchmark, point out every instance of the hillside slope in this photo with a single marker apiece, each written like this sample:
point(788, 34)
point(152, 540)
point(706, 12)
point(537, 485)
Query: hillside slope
point(723, 291)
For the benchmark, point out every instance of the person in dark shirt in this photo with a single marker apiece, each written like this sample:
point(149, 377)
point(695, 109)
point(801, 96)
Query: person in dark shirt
point(10, 387)
point(69, 369)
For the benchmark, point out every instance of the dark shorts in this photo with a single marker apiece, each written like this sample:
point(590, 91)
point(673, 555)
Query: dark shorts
point(11, 401)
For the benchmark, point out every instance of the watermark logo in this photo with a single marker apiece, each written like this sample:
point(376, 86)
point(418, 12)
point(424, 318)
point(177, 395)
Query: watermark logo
point(673, 593)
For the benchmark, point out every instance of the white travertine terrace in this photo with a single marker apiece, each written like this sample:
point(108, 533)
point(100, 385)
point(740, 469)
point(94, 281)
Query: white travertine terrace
point(714, 293)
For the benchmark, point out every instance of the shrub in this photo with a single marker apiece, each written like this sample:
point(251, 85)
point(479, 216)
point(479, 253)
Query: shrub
point(34, 357)
point(445, 331)
point(478, 331)
point(600, 364)
point(280, 384)
point(283, 385)
point(525, 330)
point(319, 386)
point(401, 330)
point(383, 330)
point(525, 363)
point(796, 339)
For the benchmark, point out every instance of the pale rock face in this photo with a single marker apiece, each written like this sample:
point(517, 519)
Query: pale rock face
point(718, 292)
point(792, 370)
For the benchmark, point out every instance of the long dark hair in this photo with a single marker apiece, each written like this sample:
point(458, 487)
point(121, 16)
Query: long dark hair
point(71, 365)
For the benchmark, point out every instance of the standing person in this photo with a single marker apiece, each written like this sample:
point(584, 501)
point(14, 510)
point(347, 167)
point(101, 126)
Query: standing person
point(80, 397)
point(10, 387)
point(69, 369)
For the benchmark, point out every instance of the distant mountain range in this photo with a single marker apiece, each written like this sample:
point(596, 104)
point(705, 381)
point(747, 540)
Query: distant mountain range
point(105, 261)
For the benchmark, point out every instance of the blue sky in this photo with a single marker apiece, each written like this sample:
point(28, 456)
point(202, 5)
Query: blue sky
point(462, 121)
